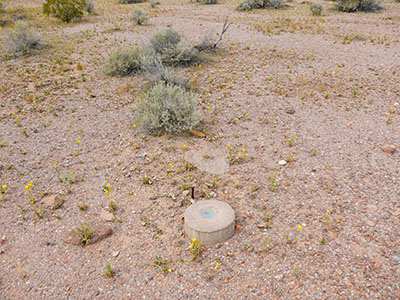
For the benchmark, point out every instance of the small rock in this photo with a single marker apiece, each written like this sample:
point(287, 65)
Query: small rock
point(290, 110)
point(53, 201)
point(197, 133)
point(372, 207)
point(389, 148)
point(143, 155)
point(100, 232)
point(370, 223)
point(107, 216)
point(279, 277)
point(185, 193)
point(282, 162)
point(396, 213)
point(115, 253)
point(262, 225)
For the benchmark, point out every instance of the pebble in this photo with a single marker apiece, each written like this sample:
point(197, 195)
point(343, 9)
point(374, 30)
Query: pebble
point(53, 201)
point(115, 253)
point(389, 148)
point(372, 207)
point(282, 162)
point(290, 110)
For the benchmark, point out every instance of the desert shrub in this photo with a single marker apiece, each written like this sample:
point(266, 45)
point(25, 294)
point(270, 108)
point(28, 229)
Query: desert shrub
point(154, 3)
point(123, 62)
point(166, 108)
point(247, 5)
point(130, 1)
point(89, 7)
point(158, 72)
point(21, 39)
point(65, 10)
point(358, 5)
point(207, 1)
point(316, 9)
point(398, 1)
point(165, 39)
point(139, 17)
point(169, 46)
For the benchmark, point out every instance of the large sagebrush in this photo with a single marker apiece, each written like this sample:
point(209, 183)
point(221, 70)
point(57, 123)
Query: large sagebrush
point(247, 5)
point(358, 5)
point(123, 62)
point(169, 46)
point(166, 108)
point(21, 39)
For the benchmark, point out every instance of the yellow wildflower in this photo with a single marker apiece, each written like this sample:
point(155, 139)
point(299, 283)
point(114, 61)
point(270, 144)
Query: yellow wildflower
point(78, 141)
point(299, 226)
point(194, 240)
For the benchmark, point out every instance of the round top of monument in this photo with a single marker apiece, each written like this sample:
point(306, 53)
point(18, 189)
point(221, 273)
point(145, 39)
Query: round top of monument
point(210, 221)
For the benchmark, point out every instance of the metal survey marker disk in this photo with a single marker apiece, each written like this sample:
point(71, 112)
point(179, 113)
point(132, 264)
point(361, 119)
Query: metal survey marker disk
point(210, 221)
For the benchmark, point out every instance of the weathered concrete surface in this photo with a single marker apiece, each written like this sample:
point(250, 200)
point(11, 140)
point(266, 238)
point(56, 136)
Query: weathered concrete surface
point(210, 221)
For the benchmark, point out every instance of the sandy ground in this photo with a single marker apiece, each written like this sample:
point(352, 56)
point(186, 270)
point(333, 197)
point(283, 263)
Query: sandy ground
point(324, 226)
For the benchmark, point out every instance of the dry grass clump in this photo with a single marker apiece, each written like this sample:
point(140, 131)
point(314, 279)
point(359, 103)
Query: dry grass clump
point(123, 62)
point(358, 5)
point(166, 108)
point(20, 39)
point(247, 5)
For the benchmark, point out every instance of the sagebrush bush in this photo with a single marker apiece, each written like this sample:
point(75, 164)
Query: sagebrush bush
point(65, 10)
point(158, 72)
point(131, 1)
point(247, 5)
point(154, 3)
point(89, 7)
point(316, 9)
point(123, 62)
point(207, 1)
point(169, 46)
point(20, 39)
point(166, 108)
point(358, 5)
point(139, 17)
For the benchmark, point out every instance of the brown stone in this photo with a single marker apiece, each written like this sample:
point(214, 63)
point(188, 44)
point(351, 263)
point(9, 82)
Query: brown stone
point(290, 110)
point(389, 148)
point(52, 201)
point(100, 232)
